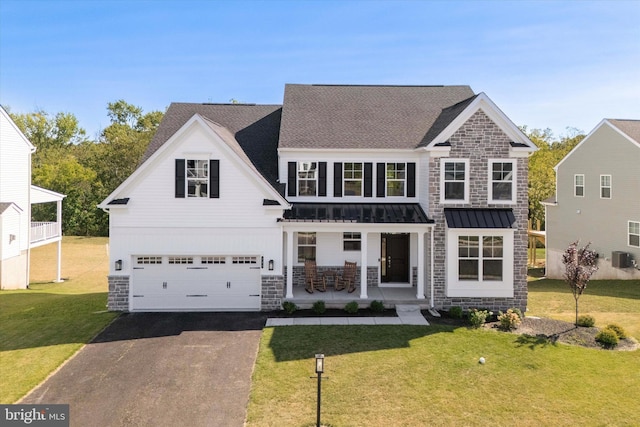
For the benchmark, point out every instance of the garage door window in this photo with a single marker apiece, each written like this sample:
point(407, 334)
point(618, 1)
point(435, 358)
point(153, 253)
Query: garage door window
point(213, 260)
point(149, 260)
point(180, 260)
point(245, 260)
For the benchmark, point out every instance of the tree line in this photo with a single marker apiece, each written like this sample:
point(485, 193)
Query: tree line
point(88, 170)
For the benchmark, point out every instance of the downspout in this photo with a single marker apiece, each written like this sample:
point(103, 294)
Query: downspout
point(431, 272)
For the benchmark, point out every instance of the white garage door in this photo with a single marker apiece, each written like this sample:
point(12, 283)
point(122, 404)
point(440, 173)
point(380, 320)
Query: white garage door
point(195, 283)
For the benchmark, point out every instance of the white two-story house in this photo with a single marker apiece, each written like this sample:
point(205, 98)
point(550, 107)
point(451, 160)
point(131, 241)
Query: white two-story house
point(18, 233)
point(424, 187)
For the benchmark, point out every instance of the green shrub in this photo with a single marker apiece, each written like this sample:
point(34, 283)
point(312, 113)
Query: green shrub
point(517, 311)
point(351, 308)
point(289, 307)
point(319, 307)
point(455, 312)
point(619, 330)
point(608, 338)
point(478, 318)
point(376, 306)
point(509, 320)
point(586, 321)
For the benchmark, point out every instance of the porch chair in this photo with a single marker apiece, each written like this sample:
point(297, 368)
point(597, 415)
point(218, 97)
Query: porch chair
point(348, 278)
point(312, 279)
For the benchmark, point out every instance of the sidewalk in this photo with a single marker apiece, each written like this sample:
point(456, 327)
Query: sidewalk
point(407, 315)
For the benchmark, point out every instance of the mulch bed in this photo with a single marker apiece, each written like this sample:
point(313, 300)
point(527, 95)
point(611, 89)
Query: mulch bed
point(546, 330)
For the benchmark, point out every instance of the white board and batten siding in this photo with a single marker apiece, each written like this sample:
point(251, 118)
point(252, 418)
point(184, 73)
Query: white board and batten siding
point(235, 226)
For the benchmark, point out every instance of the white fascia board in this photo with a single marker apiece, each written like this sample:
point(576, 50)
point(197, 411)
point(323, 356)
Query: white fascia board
point(482, 102)
point(602, 122)
point(42, 195)
point(15, 127)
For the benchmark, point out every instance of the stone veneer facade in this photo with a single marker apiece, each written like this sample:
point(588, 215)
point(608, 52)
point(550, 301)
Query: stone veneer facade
point(118, 299)
point(479, 140)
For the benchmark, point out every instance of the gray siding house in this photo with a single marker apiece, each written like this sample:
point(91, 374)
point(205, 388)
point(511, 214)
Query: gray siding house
point(598, 201)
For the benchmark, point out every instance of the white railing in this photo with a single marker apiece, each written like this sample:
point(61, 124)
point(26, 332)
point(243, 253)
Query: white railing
point(42, 231)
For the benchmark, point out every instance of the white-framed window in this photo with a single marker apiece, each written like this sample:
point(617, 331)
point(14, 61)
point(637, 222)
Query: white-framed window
point(480, 263)
point(396, 179)
point(578, 185)
point(180, 260)
point(634, 234)
point(149, 260)
point(351, 241)
point(502, 181)
point(307, 178)
point(454, 180)
point(306, 246)
point(352, 177)
point(605, 186)
point(198, 178)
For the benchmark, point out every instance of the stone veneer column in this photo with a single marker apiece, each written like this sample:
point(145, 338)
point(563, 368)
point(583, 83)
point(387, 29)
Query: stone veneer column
point(272, 292)
point(118, 299)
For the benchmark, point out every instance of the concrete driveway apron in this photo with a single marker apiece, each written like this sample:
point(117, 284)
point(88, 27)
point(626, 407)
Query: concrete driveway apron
point(160, 369)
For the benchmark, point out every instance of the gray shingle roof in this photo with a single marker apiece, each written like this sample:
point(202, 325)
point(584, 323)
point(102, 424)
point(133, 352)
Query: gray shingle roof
point(629, 127)
point(255, 127)
point(4, 206)
point(368, 117)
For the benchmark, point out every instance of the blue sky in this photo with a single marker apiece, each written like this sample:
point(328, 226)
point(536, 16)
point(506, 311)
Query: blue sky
point(544, 63)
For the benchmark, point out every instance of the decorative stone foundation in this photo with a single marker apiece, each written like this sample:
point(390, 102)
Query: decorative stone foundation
point(272, 293)
point(299, 279)
point(118, 299)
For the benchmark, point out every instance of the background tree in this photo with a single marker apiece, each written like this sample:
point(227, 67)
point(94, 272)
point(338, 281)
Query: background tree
point(542, 176)
point(580, 265)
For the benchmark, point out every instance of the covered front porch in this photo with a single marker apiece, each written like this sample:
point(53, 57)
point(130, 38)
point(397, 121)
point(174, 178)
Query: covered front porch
point(388, 242)
point(46, 232)
point(390, 297)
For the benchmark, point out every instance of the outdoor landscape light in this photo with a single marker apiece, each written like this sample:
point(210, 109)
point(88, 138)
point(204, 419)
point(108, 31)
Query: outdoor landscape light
point(119, 265)
point(319, 363)
point(270, 265)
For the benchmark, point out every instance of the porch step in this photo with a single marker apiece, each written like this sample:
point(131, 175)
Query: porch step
point(410, 314)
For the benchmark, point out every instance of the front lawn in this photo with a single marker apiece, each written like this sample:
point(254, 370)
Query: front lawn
point(417, 375)
point(608, 301)
point(43, 326)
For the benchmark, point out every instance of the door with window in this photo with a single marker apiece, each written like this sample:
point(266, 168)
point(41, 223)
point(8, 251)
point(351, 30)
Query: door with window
point(394, 258)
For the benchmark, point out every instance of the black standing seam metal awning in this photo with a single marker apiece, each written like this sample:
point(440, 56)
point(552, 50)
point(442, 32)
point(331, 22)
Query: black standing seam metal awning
point(365, 213)
point(479, 218)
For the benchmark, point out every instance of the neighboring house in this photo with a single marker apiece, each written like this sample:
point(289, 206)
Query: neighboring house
point(598, 200)
point(424, 187)
point(17, 232)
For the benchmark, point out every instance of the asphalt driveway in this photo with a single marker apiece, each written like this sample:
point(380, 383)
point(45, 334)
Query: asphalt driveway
point(161, 369)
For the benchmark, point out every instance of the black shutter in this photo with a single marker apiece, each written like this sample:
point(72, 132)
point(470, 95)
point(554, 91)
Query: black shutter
point(180, 178)
point(322, 179)
point(368, 180)
point(411, 180)
point(337, 180)
point(291, 180)
point(214, 179)
point(380, 180)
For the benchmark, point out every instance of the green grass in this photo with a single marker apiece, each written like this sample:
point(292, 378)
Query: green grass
point(609, 301)
point(43, 326)
point(415, 375)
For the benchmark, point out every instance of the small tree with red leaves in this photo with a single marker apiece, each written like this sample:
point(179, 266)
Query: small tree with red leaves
point(580, 265)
